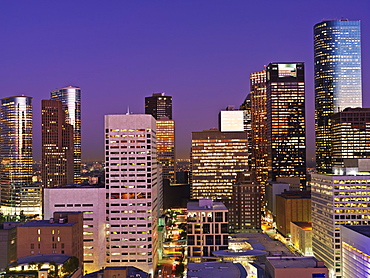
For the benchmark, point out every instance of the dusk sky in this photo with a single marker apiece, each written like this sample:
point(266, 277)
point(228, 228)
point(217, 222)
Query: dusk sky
point(199, 52)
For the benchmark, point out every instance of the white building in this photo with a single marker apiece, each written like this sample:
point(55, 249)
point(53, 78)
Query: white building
point(355, 243)
point(336, 201)
point(133, 191)
point(90, 201)
point(207, 228)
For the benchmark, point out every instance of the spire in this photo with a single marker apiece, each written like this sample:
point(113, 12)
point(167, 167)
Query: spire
point(128, 110)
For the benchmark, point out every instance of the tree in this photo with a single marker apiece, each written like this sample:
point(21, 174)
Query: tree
point(70, 266)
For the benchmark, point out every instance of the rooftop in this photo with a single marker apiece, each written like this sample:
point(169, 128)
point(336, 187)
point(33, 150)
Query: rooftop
point(295, 262)
point(304, 225)
point(45, 223)
point(216, 269)
point(364, 230)
point(57, 258)
point(206, 205)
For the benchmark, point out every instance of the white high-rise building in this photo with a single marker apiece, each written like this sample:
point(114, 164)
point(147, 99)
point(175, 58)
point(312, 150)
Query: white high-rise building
point(337, 200)
point(133, 191)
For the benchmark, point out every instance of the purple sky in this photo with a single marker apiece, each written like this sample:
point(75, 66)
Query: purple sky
point(200, 52)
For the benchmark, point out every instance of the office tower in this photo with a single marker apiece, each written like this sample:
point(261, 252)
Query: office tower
point(92, 201)
point(336, 200)
point(15, 150)
point(134, 191)
point(245, 207)
point(207, 228)
point(70, 97)
point(259, 127)
point(246, 107)
point(159, 105)
point(286, 130)
point(355, 243)
point(57, 145)
point(337, 51)
point(216, 158)
point(350, 136)
point(166, 148)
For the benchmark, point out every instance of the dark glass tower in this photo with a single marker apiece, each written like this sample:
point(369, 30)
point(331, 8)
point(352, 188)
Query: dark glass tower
point(286, 130)
point(337, 79)
point(70, 97)
point(159, 105)
point(57, 145)
point(15, 149)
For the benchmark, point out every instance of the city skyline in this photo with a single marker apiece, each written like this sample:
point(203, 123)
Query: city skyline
point(198, 53)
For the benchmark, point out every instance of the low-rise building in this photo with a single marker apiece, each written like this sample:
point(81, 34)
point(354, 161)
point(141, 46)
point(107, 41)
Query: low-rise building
point(8, 247)
point(62, 234)
point(207, 228)
point(301, 232)
point(216, 269)
point(292, 206)
point(293, 267)
point(91, 201)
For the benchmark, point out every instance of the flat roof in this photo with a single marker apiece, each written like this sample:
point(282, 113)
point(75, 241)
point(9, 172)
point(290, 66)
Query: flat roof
point(362, 229)
point(216, 269)
point(294, 262)
point(305, 225)
point(46, 223)
point(215, 206)
point(58, 258)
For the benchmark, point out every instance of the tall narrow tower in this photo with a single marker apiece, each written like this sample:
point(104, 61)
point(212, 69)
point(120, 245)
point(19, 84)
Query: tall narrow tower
point(337, 79)
point(133, 191)
point(70, 97)
point(15, 149)
point(286, 129)
point(160, 107)
point(57, 145)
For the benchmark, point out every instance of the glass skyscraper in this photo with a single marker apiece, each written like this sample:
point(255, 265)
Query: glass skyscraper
point(70, 97)
point(286, 129)
point(337, 49)
point(15, 149)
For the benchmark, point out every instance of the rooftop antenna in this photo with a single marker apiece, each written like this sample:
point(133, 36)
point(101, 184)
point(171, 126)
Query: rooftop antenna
point(128, 110)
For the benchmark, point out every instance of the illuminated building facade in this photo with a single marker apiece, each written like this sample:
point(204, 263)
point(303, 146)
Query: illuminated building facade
point(216, 158)
point(166, 148)
point(70, 97)
point(57, 145)
point(350, 136)
point(246, 107)
point(337, 51)
point(159, 105)
point(245, 208)
point(15, 149)
point(133, 191)
point(336, 200)
point(258, 132)
point(207, 228)
point(355, 253)
point(286, 129)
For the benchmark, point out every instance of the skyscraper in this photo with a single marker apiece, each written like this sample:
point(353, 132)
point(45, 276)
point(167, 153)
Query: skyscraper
point(15, 149)
point(337, 79)
point(166, 148)
point(160, 107)
point(350, 137)
point(216, 158)
point(258, 131)
point(70, 97)
point(286, 129)
point(134, 191)
point(57, 145)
